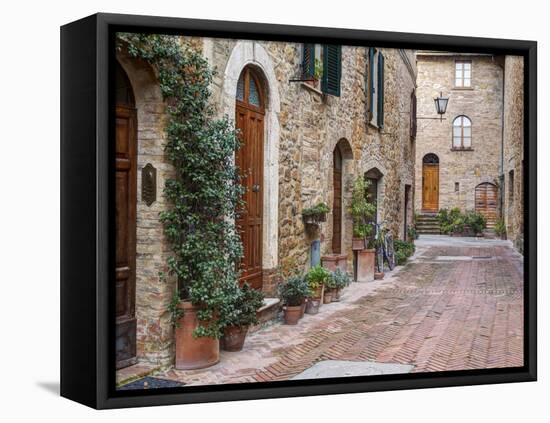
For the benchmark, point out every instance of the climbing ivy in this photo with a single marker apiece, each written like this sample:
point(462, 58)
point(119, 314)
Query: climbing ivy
point(206, 192)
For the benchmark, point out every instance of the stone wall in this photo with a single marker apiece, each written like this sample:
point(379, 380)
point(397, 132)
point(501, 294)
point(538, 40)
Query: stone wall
point(482, 103)
point(513, 149)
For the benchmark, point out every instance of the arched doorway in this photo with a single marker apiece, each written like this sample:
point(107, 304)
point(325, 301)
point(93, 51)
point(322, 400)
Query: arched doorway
point(249, 120)
point(486, 202)
point(125, 219)
point(430, 183)
point(373, 177)
point(342, 152)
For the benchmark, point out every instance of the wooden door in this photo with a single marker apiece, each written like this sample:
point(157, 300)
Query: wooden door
point(249, 158)
point(125, 222)
point(337, 202)
point(486, 202)
point(430, 187)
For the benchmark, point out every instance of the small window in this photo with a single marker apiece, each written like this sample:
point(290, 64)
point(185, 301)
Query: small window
point(511, 186)
point(462, 133)
point(322, 67)
point(457, 186)
point(463, 74)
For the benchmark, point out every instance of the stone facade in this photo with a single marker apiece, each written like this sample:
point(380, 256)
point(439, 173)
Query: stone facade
point(460, 171)
point(513, 169)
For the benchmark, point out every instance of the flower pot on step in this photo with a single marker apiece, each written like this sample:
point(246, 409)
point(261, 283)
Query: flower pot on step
point(365, 265)
point(317, 293)
point(327, 297)
point(233, 338)
point(357, 244)
point(312, 306)
point(331, 262)
point(194, 352)
point(292, 314)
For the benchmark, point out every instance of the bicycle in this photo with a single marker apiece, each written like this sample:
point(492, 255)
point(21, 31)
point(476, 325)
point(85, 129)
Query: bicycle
point(383, 241)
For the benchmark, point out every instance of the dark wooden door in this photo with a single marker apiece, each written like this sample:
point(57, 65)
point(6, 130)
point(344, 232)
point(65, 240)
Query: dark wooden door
point(249, 158)
point(430, 187)
point(486, 197)
point(337, 202)
point(125, 233)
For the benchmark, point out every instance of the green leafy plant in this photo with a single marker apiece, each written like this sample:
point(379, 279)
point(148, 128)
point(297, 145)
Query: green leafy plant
point(412, 232)
point(318, 71)
point(340, 279)
point(242, 309)
point(403, 250)
point(476, 221)
point(319, 208)
point(294, 290)
point(317, 276)
point(205, 193)
point(361, 209)
point(500, 227)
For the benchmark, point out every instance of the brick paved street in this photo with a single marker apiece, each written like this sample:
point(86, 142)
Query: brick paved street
point(458, 304)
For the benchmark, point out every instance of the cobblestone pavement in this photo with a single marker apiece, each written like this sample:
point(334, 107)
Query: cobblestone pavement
point(458, 304)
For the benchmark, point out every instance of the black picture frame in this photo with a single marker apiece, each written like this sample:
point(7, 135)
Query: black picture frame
point(87, 359)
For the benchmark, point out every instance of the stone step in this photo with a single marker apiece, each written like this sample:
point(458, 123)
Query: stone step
point(267, 313)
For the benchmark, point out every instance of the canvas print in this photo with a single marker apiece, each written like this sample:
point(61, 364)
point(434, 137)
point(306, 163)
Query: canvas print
point(294, 211)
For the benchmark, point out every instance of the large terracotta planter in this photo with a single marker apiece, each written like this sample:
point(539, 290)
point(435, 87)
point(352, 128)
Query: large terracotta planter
point(365, 265)
point(303, 308)
point(192, 352)
point(292, 314)
point(233, 338)
point(331, 262)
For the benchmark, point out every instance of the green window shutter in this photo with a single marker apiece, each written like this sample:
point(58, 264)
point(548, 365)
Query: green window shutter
point(380, 90)
point(370, 92)
point(308, 61)
point(332, 69)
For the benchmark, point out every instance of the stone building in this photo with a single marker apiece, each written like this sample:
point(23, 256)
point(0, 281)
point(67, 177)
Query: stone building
point(512, 161)
point(304, 141)
point(458, 158)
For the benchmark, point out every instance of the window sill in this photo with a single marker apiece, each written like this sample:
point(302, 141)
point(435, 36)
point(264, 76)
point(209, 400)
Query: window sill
point(312, 88)
point(462, 149)
point(463, 88)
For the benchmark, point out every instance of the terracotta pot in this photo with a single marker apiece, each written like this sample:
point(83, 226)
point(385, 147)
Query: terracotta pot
point(357, 244)
point(233, 338)
point(292, 314)
point(331, 262)
point(327, 298)
point(192, 352)
point(312, 306)
point(336, 295)
point(303, 308)
point(378, 275)
point(318, 293)
point(365, 265)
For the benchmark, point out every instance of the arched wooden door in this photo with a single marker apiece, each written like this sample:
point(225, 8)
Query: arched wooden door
point(249, 118)
point(125, 220)
point(337, 202)
point(486, 202)
point(430, 183)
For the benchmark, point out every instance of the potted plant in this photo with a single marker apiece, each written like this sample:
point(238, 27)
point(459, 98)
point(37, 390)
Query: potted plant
point(362, 212)
point(330, 286)
point(317, 73)
point(500, 229)
point(239, 314)
point(316, 278)
point(316, 214)
point(293, 293)
point(476, 222)
point(340, 281)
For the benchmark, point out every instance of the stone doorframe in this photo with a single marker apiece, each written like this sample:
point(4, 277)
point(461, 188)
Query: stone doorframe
point(375, 164)
point(250, 53)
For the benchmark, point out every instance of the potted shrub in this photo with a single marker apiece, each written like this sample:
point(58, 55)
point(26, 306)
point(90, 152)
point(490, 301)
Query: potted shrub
point(200, 222)
point(476, 222)
point(316, 214)
point(316, 278)
point(403, 250)
point(340, 280)
point(330, 286)
point(293, 293)
point(239, 314)
point(500, 229)
point(362, 212)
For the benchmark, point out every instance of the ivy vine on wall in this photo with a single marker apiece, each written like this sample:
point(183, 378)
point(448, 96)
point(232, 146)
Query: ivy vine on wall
point(206, 192)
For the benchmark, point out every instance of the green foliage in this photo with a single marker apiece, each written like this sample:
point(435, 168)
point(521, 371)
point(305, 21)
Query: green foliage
point(318, 71)
point(500, 227)
point(454, 221)
point(361, 209)
point(317, 276)
point(318, 209)
point(411, 232)
point(476, 221)
point(206, 192)
point(294, 291)
point(339, 279)
point(403, 250)
point(242, 308)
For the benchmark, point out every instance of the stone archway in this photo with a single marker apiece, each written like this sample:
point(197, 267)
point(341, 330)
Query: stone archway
point(253, 54)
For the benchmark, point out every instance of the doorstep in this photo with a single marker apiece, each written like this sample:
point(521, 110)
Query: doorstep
point(267, 313)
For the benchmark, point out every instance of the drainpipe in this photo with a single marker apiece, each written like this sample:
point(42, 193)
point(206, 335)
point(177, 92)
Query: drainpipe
point(502, 179)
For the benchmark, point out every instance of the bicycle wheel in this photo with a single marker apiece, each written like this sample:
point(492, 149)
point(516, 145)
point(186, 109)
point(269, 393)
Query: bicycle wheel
point(380, 259)
point(390, 254)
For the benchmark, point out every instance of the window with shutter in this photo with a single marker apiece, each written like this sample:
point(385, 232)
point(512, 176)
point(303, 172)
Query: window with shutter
point(332, 69)
point(371, 90)
point(413, 115)
point(380, 111)
point(308, 61)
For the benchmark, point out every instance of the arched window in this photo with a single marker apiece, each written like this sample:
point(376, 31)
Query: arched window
point(462, 132)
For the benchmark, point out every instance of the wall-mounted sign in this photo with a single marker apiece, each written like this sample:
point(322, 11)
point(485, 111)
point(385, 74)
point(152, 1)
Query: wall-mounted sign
point(148, 184)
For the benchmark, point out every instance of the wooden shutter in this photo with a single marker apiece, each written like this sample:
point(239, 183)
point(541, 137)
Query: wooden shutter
point(332, 69)
point(413, 115)
point(308, 61)
point(380, 111)
point(371, 83)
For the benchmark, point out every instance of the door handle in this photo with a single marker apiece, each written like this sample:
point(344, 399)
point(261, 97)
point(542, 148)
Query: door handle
point(256, 188)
